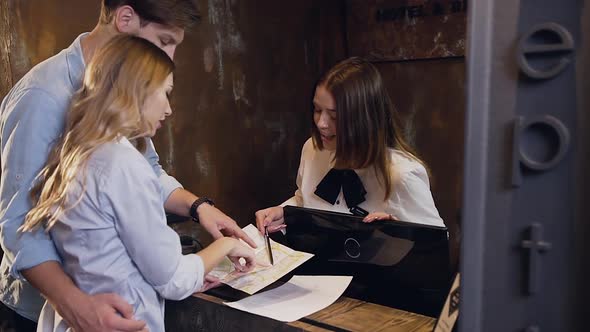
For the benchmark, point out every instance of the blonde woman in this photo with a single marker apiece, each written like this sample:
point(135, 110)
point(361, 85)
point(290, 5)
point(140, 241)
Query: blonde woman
point(102, 202)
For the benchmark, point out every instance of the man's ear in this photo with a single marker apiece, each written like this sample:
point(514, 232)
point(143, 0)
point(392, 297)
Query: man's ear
point(126, 20)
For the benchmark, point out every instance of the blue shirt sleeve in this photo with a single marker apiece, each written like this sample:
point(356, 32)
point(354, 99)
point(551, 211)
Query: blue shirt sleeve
point(140, 222)
point(31, 123)
point(169, 183)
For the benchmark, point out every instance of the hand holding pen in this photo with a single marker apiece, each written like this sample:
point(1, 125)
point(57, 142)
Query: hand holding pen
point(267, 238)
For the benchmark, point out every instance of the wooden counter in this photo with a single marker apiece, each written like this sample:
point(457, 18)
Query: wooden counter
point(208, 313)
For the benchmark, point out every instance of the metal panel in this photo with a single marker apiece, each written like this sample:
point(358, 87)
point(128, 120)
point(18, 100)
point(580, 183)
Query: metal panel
point(513, 229)
point(582, 227)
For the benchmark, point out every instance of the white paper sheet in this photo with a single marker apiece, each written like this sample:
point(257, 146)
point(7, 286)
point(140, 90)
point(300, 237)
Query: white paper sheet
point(285, 260)
point(300, 297)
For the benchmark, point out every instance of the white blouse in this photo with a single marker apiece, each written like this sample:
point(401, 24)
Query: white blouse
point(410, 199)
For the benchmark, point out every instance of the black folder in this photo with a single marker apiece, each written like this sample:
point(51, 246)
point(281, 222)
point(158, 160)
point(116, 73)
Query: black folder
point(394, 263)
point(340, 237)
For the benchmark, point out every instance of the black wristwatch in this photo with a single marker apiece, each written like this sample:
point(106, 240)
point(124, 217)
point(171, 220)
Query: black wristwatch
point(193, 211)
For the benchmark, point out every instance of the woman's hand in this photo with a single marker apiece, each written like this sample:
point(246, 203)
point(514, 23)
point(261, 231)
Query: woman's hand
point(272, 218)
point(378, 216)
point(239, 251)
point(209, 282)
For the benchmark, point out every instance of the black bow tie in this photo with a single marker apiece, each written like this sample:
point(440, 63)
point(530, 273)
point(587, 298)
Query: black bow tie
point(352, 187)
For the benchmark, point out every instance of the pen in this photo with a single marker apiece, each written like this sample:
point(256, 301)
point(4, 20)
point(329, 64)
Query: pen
point(268, 245)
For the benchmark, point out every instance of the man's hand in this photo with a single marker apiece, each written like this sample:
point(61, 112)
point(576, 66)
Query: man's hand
point(102, 312)
point(218, 224)
point(212, 219)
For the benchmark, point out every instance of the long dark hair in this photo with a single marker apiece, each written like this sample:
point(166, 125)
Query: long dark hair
point(367, 122)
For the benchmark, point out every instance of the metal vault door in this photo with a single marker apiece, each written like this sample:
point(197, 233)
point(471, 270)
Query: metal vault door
point(525, 165)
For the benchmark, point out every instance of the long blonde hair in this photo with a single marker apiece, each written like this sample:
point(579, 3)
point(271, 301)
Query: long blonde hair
point(367, 122)
point(107, 106)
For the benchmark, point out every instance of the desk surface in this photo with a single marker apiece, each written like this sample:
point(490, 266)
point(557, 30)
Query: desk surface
point(207, 313)
point(355, 315)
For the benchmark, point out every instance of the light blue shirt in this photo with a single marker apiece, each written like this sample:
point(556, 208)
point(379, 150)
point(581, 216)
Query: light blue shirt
point(117, 240)
point(32, 116)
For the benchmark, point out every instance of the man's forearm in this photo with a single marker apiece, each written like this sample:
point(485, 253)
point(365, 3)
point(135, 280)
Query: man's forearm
point(215, 222)
point(55, 285)
point(82, 312)
point(179, 202)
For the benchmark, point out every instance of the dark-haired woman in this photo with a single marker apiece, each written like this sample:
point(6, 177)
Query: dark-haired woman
point(357, 157)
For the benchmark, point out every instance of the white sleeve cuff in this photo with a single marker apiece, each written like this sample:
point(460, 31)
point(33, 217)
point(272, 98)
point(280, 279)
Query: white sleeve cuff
point(291, 201)
point(187, 279)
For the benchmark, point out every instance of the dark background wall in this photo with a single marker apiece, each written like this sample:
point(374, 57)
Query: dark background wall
point(419, 47)
point(245, 80)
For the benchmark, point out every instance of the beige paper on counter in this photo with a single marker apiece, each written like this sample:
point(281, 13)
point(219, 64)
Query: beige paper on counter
point(285, 260)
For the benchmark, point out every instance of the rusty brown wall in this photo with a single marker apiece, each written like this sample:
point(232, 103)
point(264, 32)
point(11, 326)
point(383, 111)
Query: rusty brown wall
point(244, 85)
point(242, 91)
point(244, 82)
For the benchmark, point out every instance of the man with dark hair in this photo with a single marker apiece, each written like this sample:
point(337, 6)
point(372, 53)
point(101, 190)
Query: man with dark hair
point(32, 118)
point(174, 13)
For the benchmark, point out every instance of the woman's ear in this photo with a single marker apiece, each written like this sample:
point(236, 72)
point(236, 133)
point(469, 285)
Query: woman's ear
point(127, 20)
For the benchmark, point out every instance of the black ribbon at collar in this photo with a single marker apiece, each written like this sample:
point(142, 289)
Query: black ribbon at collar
point(352, 187)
